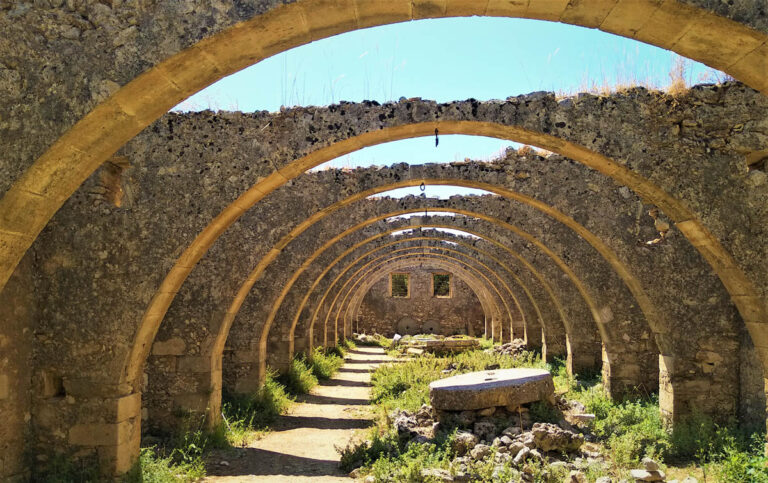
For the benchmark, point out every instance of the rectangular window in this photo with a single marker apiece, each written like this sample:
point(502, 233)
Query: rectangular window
point(399, 285)
point(441, 285)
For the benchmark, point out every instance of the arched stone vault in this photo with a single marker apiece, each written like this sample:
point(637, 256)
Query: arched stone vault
point(533, 314)
point(526, 276)
point(634, 241)
point(59, 73)
point(663, 165)
point(406, 258)
point(186, 324)
point(473, 265)
point(515, 330)
point(722, 262)
point(579, 315)
point(274, 252)
point(349, 305)
point(249, 375)
point(354, 214)
point(470, 228)
point(187, 58)
point(459, 311)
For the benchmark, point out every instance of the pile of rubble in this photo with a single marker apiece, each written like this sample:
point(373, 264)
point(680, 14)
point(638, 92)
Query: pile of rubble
point(520, 443)
point(523, 445)
point(514, 348)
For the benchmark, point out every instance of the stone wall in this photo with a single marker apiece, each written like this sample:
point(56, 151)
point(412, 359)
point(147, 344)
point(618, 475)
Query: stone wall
point(18, 310)
point(461, 313)
point(97, 273)
point(101, 261)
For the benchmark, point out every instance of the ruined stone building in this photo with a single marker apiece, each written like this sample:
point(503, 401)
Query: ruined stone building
point(148, 259)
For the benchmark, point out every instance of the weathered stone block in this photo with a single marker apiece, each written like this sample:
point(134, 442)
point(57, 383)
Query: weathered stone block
point(88, 388)
point(504, 387)
point(194, 364)
point(119, 459)
point(170, 347)
point(197, 403)
point(107, 434)
point(5, 389)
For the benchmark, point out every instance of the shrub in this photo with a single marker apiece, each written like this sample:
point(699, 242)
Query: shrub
point(544, 412)
point(325, 364)
point(366, 452)
point(346, 345)
point(377, 340)
point(154, 468)
point(60, 468)
point(486, 343)
point(299, 378)
point(742, 465)
point(255, 411)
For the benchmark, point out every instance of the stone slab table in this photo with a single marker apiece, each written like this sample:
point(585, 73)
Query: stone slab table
point(485, 389)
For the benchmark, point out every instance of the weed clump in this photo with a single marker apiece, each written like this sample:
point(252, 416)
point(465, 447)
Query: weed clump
point(325, 363)
point(298, 379)
point(625, 431)
point(246, 413)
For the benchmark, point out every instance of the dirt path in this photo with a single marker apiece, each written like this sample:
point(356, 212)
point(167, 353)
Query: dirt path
point(302, 445)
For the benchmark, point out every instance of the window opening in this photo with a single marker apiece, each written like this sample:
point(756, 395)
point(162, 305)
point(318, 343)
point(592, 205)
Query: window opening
point(399, 285)
point(441, 285)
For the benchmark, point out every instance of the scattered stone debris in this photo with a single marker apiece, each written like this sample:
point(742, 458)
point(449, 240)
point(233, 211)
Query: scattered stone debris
point(550, 437)
point(365, 339)
point(539, 443)
point(649, 472)
point(514, 348)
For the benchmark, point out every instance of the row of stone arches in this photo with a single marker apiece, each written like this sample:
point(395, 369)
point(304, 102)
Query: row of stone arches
point(107, 288)
point(418, 179)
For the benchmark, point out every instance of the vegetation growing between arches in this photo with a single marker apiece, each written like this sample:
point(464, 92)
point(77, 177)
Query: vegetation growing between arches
point(182, 456)
point(626, 431)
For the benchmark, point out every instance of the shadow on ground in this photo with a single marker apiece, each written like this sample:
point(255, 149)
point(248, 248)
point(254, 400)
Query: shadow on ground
point(259, 462)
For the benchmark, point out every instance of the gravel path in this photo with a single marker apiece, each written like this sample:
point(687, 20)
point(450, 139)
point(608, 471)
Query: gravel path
point(302, 444)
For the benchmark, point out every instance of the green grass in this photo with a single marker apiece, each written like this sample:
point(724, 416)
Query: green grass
point(298, 379)
point(628, 430)
point(180, 456)
point(325, 363)
point(61, 468)
point(405, 385)
point(346, 345)
point(486, 343)
point(246, 415)
point(153, 467)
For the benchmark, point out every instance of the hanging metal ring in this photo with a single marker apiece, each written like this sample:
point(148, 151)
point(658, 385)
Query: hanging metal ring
point(422, 187)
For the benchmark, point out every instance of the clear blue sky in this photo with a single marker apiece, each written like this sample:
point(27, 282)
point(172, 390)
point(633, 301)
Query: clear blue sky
point(443, 60)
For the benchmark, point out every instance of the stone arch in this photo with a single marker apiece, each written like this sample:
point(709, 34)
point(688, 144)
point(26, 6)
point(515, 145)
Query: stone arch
point(557, 314)
point(477, 266)
point(66, 164)
point(410, 259)
point(741, 289)
point(602, 248)
point(245, 288)
point(534, 315)
point(281, 297)
point(407, 257)
point(16, 230)
point(514, 328)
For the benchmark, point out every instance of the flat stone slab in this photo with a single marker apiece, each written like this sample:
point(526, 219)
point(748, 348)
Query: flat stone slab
point(434, 345)
point(485, 389)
